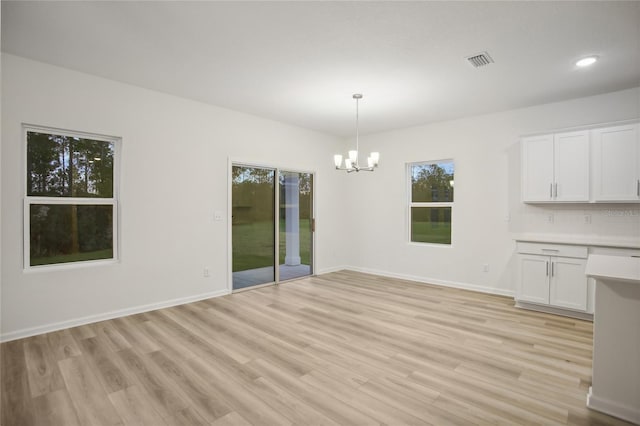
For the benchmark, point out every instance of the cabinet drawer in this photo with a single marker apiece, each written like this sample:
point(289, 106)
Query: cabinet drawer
point(579, 252)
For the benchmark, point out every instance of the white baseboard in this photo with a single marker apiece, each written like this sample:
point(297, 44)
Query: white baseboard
point(553, 310)
point(27, 332)
point(615, 409)
point(426, 280)
point(332, 269)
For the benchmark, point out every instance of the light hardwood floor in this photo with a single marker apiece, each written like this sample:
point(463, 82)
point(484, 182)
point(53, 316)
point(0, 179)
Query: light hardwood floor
point(343, 348)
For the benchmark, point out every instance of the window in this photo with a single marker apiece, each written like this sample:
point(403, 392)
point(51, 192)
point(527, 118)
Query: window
point(70, 209)
point(431, 201)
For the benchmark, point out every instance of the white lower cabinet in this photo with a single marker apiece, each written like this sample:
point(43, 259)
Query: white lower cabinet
point(552, 275)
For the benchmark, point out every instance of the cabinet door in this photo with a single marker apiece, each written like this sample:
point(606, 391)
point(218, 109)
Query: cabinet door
point(568, 285)
point(616, 163)
point(533, 278)
point(571, 166)
point(537, 168)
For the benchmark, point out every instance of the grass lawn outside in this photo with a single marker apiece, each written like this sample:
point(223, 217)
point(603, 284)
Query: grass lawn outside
point(75, 257)
point(431, 232)
point(253, 244)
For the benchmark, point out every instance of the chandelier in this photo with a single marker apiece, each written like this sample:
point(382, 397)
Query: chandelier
point(351, 163)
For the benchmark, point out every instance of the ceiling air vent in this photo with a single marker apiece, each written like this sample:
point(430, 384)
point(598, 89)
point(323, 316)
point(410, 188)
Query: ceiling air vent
point(480, 59)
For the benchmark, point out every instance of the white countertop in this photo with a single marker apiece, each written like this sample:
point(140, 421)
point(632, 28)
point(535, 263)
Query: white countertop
point(586, 240)
point(616, 268)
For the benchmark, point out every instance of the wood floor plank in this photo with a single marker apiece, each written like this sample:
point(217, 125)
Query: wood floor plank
point(344, 348)
point(188, 416)
point(237, 393)
point(63, 344)
point(327, 403)
point(111, 336)
point(42, 367)
point(209, 408)
point(291, 407)
point(89, 399)
point(231, 419)
point(55, 409)
point(106, 366)
point(16, 397)
point(162, 396)
point(135, 407)
point(132, 332)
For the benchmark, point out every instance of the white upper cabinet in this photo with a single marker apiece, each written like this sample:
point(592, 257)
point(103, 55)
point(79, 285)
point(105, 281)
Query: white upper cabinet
point(555, 168)
point(616, 164)
point(537, 168)
point(571, 166)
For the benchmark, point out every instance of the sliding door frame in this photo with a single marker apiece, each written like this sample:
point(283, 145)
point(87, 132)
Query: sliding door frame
point(277, 169)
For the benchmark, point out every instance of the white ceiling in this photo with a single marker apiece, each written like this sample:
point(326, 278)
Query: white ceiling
point(299, 62)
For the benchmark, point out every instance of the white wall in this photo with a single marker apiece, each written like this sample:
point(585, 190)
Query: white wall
point(487, 213)
point(173, 177)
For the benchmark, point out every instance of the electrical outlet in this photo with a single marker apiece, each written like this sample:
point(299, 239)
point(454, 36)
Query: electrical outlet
point(485, 267)
point(550, 218)
point(587, 218)
point(217, 215)
point(205, 272)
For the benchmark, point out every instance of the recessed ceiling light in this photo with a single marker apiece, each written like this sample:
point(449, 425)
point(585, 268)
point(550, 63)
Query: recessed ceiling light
point(585, 62)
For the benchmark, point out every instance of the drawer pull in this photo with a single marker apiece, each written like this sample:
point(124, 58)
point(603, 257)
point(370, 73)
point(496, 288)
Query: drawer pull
point(546, 249)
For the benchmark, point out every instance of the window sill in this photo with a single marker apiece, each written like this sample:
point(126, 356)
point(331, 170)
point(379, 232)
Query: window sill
point(69, 266)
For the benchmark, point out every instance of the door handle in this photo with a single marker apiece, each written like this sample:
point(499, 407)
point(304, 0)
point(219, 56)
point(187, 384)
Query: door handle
point(551, 190)
point(313, 225)
point(555, 190)
point(552, 268)
point(547, 263)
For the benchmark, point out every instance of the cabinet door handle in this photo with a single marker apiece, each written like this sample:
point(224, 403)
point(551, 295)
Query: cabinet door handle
point(638, 187)
point(555, 190)
point(547, 268)
point(551, 190)
point(552, 269)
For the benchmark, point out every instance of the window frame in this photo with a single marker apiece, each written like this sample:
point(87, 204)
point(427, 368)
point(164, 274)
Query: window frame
point(91, 201)
point(426, 204)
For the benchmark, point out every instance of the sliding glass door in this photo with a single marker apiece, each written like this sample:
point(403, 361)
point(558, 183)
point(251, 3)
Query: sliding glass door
point(259, 242)
point(252, 226)
point(296, 225)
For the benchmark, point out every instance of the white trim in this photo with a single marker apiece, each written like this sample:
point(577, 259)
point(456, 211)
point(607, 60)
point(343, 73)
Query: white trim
point(27, 332)
point(522, 304)
point(52, 267)
point(434, 281)
point(615, 409)
point(276, 227)
point(69, 133)
point(71, 201)
point(333, 269)
point(583, 127)
point(229, 281)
